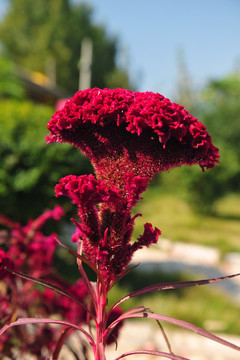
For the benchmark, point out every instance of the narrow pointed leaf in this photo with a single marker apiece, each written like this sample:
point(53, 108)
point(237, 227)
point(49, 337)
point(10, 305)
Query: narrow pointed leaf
point(80, 257)
point(121, 276)
point(49, 286)
point(60, 343)
point(137, 309)
point(173, 285)
point(25, 321)
point(130, 312)
point(165, 336)
point(85, 277)
point(152, 352)
point(83, 259)
point(177, 322)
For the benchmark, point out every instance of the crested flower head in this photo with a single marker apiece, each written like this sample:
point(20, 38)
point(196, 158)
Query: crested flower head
point(129, 137)
point(125, 132)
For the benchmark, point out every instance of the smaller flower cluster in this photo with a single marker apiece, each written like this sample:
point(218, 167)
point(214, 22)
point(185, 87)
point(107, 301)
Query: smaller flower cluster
point(106, 223)
point(29, 251)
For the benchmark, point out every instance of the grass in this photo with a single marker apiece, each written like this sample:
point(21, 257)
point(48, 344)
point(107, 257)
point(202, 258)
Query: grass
point(173, 215)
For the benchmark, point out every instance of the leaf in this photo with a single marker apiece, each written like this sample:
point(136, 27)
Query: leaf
point(50, 286)
point(131, 311)
point(7, 222)
point(85, 277)
point(164, 336)
point(25, 321)
point(152, 352)
point(60, 343)
point(128, 312)
point(80, 257)
point(83, 259)
point(171, 286)
point(121, 276)
point(177, 322)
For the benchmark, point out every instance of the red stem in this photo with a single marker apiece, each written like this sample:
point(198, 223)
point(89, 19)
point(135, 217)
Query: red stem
point(100, 323)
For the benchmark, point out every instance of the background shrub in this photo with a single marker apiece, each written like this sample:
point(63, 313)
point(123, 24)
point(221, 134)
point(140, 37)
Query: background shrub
point(29, 167)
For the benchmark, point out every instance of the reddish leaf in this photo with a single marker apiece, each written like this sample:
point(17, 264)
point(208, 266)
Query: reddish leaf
point(173, 285)
point(153, 352)
point(180, 323)
point(50, 286)
point(83, 259)
point(60, 343)
point(85, 277)
point(128, 312)
point(25, 321)
point(121, 276)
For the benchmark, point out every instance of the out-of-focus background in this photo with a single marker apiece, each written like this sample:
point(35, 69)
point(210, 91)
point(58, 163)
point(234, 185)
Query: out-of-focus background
point(187, 50)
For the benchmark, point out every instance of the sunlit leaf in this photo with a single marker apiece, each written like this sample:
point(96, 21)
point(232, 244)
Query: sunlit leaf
point(172, 285)
point(177, 322)
point(152, 352)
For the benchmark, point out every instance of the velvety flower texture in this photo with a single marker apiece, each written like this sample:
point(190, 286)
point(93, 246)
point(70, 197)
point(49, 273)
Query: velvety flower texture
point(106, 223)
point(143, 133)
point(129, 137)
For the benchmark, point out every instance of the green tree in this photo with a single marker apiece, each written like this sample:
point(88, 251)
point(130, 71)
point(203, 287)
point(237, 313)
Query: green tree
point(219, 110)
point(29, 168)
point(10, 85)
point(34, 33)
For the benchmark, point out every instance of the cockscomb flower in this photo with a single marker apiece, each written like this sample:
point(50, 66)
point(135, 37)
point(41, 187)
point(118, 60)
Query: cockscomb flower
point(125, 132)
point(129, 138)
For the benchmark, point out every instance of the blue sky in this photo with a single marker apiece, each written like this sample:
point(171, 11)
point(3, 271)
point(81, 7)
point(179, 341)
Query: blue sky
point(152, 32)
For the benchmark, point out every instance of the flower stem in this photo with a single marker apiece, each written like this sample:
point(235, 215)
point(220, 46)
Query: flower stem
point(100, 323)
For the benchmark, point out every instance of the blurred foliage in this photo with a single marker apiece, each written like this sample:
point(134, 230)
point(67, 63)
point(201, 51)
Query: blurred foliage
point(219, 110)
point(166, 209)
point(10, 85)
point(30, 168)
point(117, 78)
point(33, 33)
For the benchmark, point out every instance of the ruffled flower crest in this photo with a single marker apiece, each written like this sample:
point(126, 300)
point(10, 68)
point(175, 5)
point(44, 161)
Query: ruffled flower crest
point(140, 133)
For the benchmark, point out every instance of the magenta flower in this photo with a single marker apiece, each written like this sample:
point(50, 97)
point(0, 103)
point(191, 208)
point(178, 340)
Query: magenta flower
point(140, 133)
point(129, 137)
point(5, 262)
point(29, 248)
